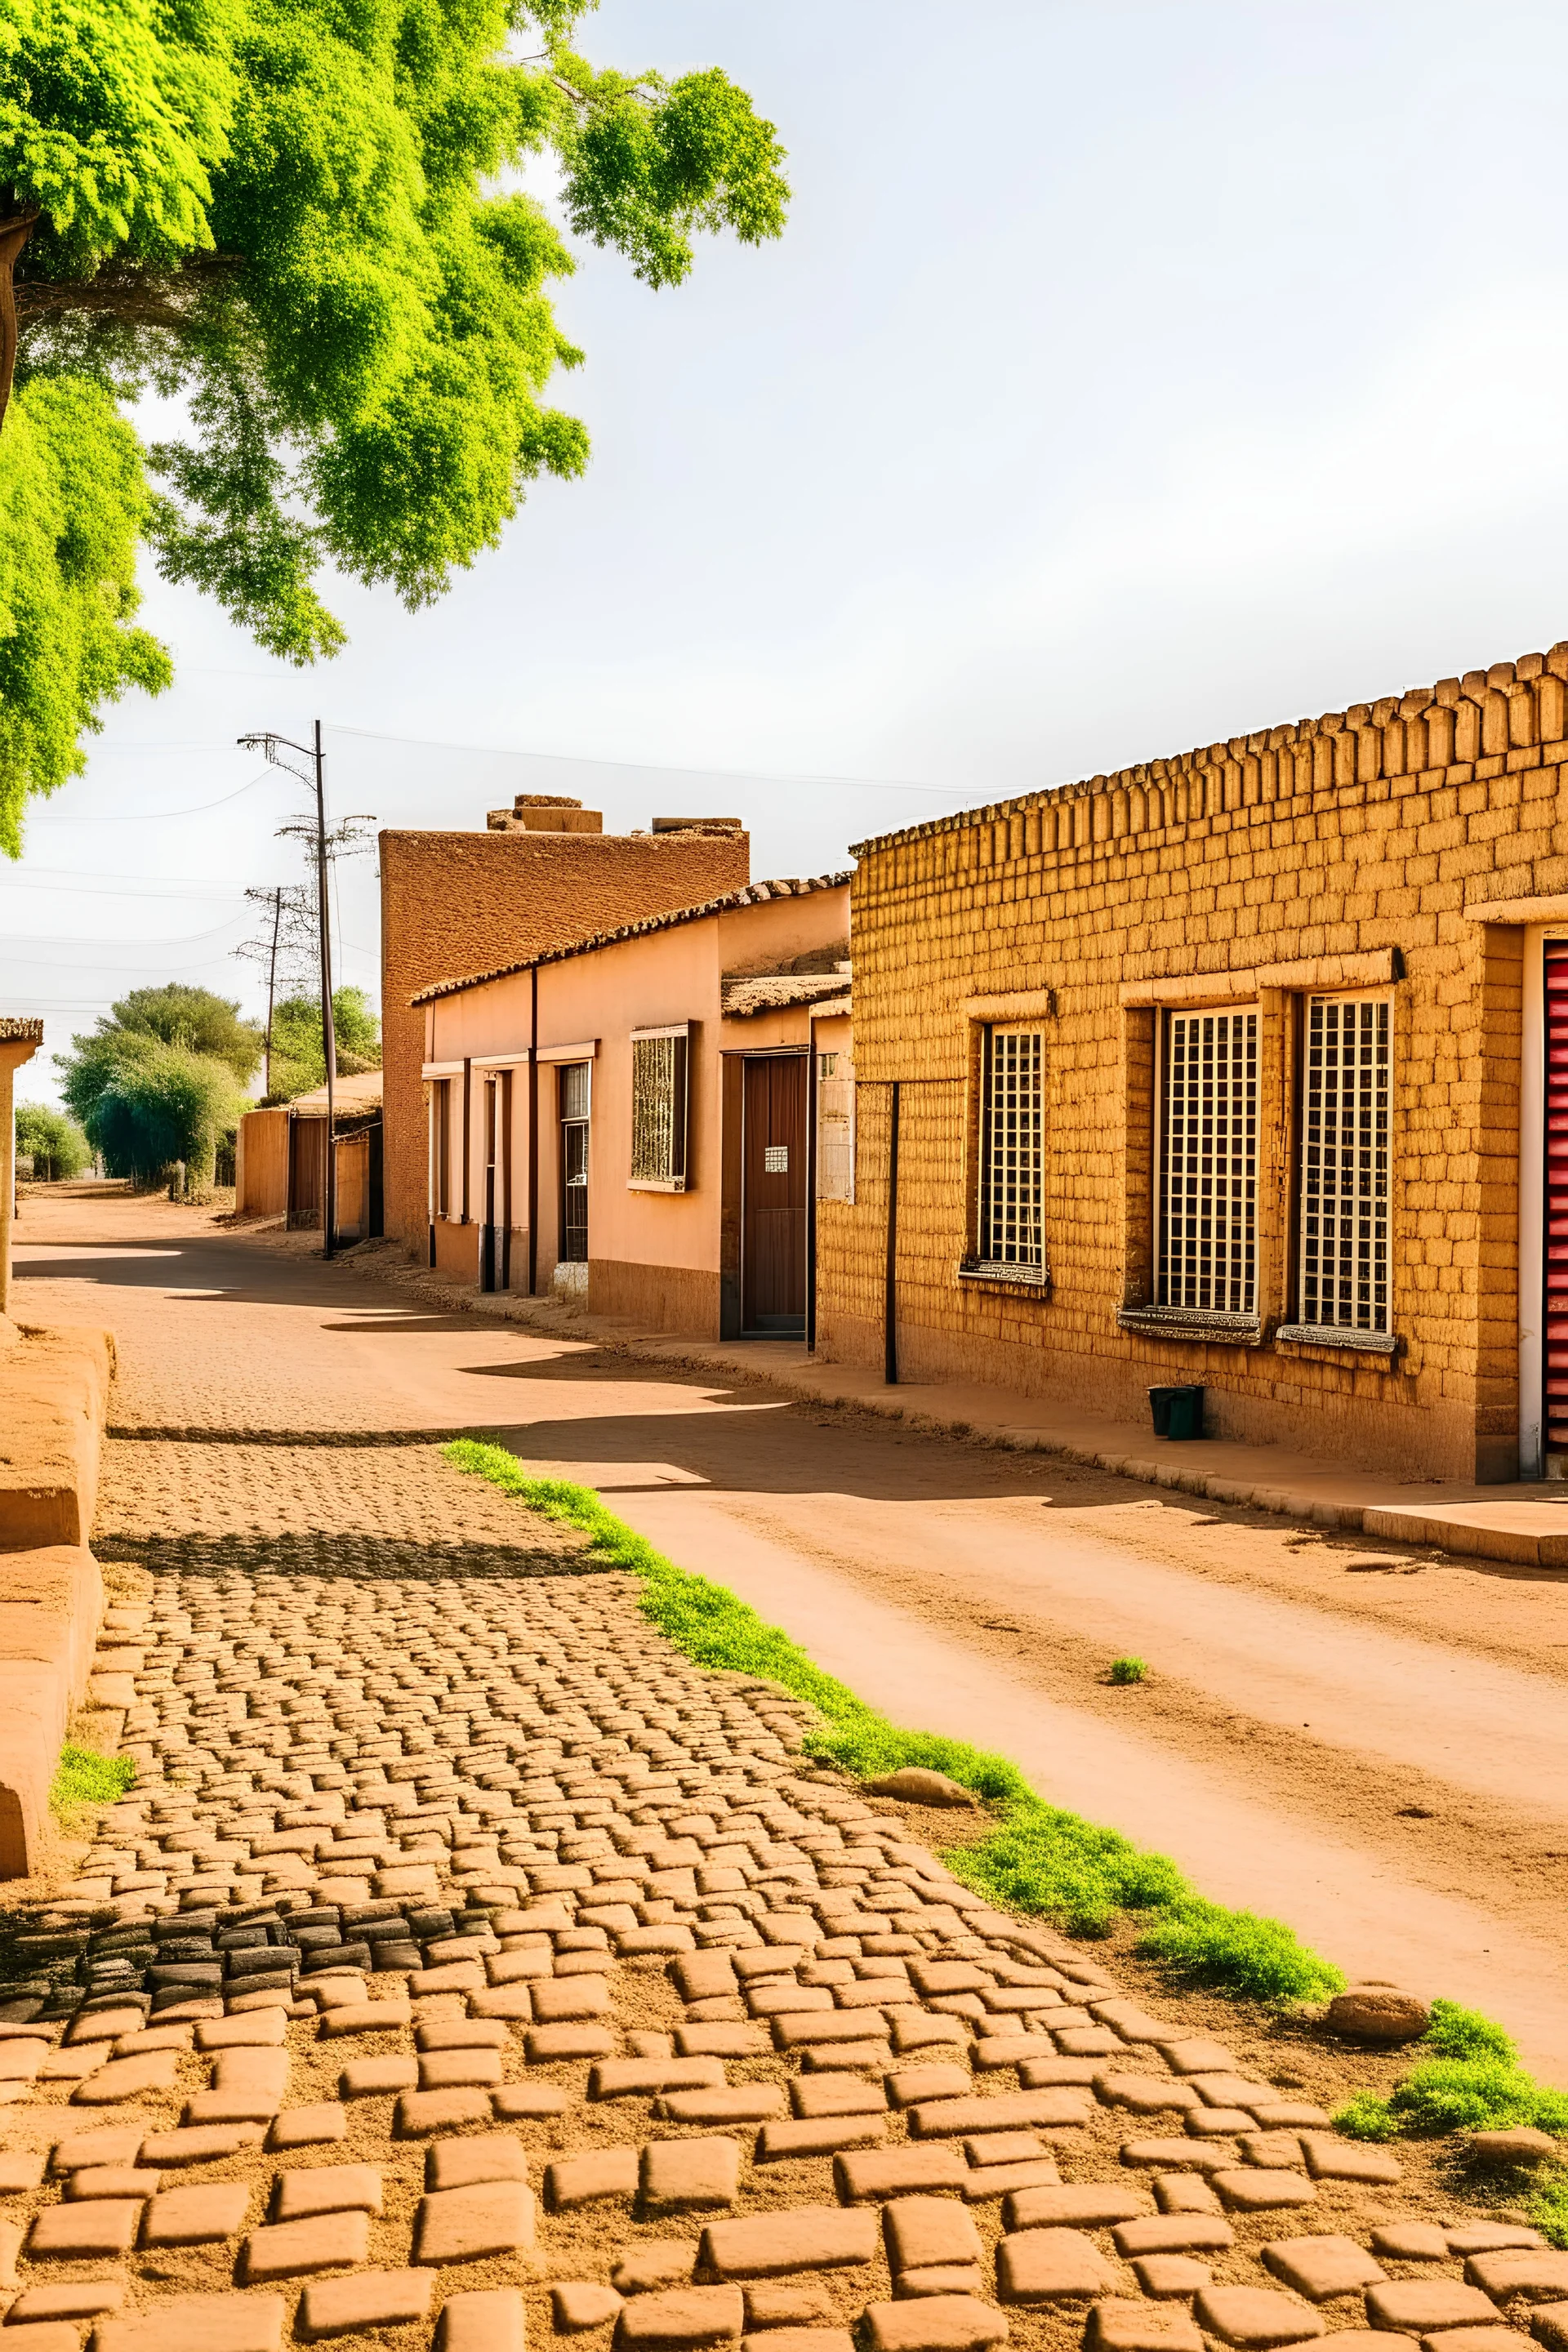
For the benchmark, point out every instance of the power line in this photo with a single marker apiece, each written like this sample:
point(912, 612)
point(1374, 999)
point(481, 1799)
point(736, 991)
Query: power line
point(158, 816)
point(648, 767)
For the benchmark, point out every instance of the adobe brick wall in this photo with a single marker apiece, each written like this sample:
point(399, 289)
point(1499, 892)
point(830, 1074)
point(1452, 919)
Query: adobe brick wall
point(54, 1399)
point(1350, 835)
point(458, 903)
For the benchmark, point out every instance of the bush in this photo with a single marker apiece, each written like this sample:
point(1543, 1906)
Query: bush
point(1366, 2116)
point(1127, 1670)
point(84, 1777)
point(1547, 2207)
point(55, 1143)
point(298, 1062)
point(1038, 1858)
point(161, 1104)
point(1471, 2082)
point(1455, 2033)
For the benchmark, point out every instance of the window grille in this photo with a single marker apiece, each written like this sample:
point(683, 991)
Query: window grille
point(658, 1109)
point(575, 1085)
point(835, 1128)
point(1012, 1221)
point(1208, 1164)
point(1344, 1165)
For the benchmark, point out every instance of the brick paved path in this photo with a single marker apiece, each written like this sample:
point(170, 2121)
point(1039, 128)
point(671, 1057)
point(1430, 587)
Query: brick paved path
point(465, 1959)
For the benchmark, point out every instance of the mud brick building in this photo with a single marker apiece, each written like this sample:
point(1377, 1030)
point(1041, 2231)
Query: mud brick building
point(629, 1120)
point(543, 873)
point(1248, 1067)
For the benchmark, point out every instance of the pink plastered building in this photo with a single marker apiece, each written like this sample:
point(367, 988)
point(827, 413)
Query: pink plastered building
point(645, 1120)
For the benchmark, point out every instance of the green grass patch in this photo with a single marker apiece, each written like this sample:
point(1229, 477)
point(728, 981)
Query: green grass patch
point(1127, 1670)
point(1547, 2207)
point(1038, 1858)
point(84, 1777)
point(1468, 2080)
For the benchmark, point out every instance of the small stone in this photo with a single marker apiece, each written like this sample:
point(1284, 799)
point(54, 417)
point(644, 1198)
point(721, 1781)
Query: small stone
point(1185, 2193)
point(803, 2135)
point(370, 2299)
point(196, 2323)
point(737, 2103)
point(1331, 2158)
point(461, 2163)
point(684, 2317)
point(53, 2336)
point(1548, 2325)
point(923, 2232)
point(1489, 2237)
point(483, 2319)
point(810, 2305)
point(1322, 2267)
point(1504, 2149)
point(938, 2278)
point(1177, 2155)
point(286, 2249)
point(365, 2017)
point(197, 2216)
point(574, 2180)
point(306, 2126)
point(1052, 2266)
point(446, 2069)
point(911, 2084)
point(372, 2078)
point(1410, 2241)
point(426, 2111)
point(257, 2030)
point(1416, 2306)
point(1254, 2317)
point(128, 2078)
point(938, 2322)
point(1377, 2013)
point(1074, 2205)
point(113, 2181)
point(1173, 2233)
point(656, 2262)
point(200, 2143)
point(579, 2304)
point(328, 2188)
point(872, 2174)
point(73, 2299)
point(914, 1785)
point(549, 2044)
point(20, 2170)
point(1119, 2326)
point(646, 2078)
point(836, 2094)
point(1536, 2275)
point(465, 2225)
point(1262, 2191)
point(678, 2173)
point(1171, 2275)
point(808, 2237)
point(79, 2233)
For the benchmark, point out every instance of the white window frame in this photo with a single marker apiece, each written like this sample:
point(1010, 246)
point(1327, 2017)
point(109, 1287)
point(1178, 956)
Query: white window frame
point(1358, 1242)
point(835, 1114)
point(665, 1167)
point(1010, 1231)
point(1205, 1235)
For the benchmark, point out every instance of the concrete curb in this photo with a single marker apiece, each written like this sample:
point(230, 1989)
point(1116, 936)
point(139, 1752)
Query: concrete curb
point(54, 1399)
point(50, 1604)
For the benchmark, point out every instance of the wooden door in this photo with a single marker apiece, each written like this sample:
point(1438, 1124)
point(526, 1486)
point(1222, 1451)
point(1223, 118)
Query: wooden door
point(773, 1193)
point(353, 1187)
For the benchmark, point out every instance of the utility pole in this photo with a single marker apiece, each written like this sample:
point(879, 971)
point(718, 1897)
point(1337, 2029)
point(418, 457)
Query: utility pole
point(272, 745)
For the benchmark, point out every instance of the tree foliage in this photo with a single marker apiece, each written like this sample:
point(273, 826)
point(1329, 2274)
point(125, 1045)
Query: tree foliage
point(55, 1144)
point(302, 221)
point(160, 1079)
point(299, 1057)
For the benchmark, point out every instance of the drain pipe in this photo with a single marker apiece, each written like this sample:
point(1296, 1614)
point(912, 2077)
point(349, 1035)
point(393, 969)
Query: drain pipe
point(533, 1133)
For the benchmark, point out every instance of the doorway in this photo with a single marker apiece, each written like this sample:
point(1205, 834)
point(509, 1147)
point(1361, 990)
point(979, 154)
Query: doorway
point(576, 1083)
point(773, 1195)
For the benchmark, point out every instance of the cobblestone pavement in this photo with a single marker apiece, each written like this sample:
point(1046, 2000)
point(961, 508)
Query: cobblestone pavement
point(465, 1960)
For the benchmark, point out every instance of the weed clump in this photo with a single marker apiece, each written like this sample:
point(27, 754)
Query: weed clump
point(1038, 1858)
point(1471, 2081)
point(84, 1777)
point(1127, 1670)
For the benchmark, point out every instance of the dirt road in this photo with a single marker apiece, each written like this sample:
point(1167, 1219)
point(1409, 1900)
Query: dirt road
point(1366, 1741)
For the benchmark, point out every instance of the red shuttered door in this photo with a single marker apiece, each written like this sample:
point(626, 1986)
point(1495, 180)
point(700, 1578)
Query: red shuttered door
point(1555, 1382)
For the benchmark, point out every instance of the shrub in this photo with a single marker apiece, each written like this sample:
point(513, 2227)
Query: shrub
point(1127, 1670)
point(1366, 2116)
point(1547, 2206)
point(84, 1777)
point(55, 1143)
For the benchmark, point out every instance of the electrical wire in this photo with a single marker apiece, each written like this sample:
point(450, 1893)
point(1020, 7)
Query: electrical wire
point(647, 767)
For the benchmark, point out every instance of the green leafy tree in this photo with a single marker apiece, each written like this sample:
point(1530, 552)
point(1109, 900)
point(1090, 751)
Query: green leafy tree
point(55, 1144)
point(301, 221)
point(196, 1018)
point(299, 1059)
point(152, 1105)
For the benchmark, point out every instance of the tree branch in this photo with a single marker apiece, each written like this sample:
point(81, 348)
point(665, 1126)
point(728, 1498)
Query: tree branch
point(13, 235)
point(142, 298)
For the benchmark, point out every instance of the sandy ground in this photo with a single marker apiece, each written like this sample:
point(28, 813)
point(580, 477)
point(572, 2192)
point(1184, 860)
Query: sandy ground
point(1368, 1740)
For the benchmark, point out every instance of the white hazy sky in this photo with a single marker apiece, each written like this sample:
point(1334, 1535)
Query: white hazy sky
point(1129, 375)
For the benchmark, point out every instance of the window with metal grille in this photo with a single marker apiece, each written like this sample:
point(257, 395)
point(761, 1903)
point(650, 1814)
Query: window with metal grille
point(1344, 1165)
point(1208, 1256)
point(1012, 1219)
point(658, 1108)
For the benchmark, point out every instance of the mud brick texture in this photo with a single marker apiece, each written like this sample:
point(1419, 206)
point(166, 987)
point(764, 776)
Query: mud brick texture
point(1345, 854)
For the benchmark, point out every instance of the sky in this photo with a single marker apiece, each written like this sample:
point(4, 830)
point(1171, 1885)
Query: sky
point(1129, 376)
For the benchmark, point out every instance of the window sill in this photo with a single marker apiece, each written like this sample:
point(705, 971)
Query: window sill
point(1314, 1335)
point(1036, 1279)
point(656, 1184)
point(1196, 1325)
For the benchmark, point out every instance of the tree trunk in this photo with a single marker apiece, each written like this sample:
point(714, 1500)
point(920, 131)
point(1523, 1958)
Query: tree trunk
point(13, 235)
